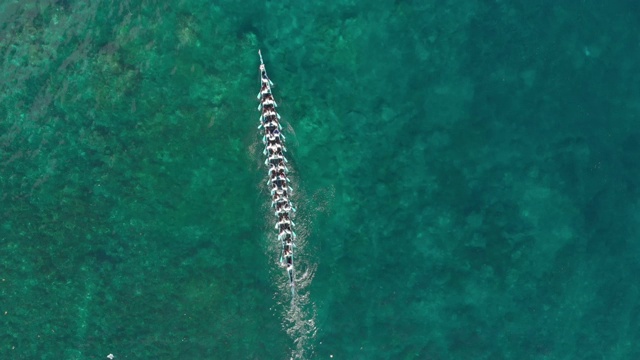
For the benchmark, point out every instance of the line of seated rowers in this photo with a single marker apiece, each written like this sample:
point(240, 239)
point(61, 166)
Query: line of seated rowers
point(284, 225)
point(273, 145)
point(286, 236)
point(280, 193)
point(266, 97)
point(265, 88)
point(277, 171)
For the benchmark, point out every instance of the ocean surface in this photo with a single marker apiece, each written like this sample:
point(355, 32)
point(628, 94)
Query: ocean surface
point(466, 175)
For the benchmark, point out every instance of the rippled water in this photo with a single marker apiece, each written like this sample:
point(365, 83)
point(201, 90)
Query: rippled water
point(465, 175)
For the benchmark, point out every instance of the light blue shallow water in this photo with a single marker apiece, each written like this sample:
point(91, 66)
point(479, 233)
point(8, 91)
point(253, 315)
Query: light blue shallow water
point(466, 179)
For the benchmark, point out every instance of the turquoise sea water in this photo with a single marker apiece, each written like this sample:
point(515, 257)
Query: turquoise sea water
point(466, 178)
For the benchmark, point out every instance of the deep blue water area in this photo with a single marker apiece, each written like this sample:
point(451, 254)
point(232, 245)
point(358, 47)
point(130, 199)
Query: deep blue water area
point(465, 175)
